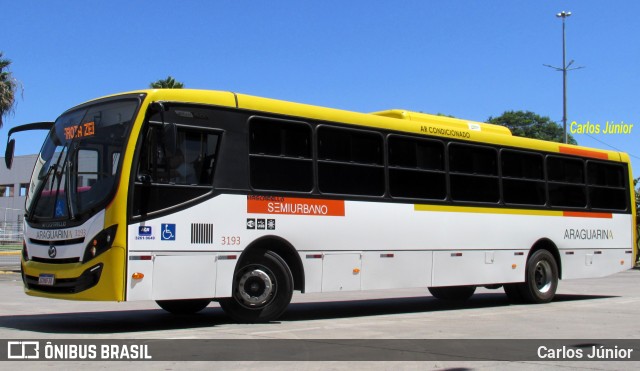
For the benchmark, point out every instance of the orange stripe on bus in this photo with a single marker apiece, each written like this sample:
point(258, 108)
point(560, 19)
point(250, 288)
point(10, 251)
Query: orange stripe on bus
point(584, 214)
point(294, 206)
point(583, 152)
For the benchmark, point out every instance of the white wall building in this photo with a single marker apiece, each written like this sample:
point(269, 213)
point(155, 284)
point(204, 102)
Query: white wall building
point(14, 184)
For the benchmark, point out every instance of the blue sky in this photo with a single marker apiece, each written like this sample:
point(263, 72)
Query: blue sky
point(470, 59)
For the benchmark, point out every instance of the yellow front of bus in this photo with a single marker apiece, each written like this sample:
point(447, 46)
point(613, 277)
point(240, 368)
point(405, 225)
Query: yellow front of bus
point(75, 221)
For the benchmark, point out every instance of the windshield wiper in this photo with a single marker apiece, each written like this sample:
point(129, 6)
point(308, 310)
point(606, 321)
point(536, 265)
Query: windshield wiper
point(43, 183)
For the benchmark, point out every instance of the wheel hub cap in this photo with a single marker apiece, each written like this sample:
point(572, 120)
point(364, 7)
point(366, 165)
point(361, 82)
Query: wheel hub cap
point(543, 274)
point(255, 287)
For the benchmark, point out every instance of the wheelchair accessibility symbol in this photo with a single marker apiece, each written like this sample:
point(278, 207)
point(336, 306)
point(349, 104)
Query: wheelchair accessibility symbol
point(168, 232)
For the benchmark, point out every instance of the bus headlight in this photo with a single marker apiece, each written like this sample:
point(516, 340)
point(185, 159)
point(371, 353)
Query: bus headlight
point(100, 243)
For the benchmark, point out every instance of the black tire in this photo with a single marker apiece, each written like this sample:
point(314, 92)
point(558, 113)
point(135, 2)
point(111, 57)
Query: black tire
point(513, 292)
point(453, 293)
point(188, 306)
point(541, 278)
point(262, 289)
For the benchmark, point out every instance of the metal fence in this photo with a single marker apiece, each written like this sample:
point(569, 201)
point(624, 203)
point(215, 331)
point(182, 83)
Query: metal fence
point(11, 235)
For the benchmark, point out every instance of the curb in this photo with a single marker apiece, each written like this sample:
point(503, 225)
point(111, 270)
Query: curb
point(11, 271)
point(10, 253)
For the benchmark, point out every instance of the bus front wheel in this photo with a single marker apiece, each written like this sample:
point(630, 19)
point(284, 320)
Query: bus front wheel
point(262, 289)
point(453, 293)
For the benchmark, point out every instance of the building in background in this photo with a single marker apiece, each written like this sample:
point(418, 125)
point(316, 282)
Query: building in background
point(14, 184)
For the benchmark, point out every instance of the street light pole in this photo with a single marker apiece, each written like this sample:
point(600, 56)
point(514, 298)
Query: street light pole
point(565, 68)
point(564, 15)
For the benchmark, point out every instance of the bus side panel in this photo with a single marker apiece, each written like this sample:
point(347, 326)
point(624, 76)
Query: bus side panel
point(463, 267)
point(139, 288)
point(167, 277)
point(396, 269)
point(189, 277)
point(594, 247)
point(594, 263)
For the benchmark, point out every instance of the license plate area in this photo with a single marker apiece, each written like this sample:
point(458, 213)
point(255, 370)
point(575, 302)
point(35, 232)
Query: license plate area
point(46, 279)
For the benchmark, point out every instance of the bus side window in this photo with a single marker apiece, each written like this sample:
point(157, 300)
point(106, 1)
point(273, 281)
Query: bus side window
point(164, 181)
point(192, 164)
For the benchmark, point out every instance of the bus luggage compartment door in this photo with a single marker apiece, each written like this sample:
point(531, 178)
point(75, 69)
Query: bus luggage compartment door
point(341, 271)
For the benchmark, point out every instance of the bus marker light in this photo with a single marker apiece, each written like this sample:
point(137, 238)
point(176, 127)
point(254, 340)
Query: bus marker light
point(621, 262)
point(513, 266)
point(456, 254)
point(227, 257)
point(356, 270)
point(137, 276)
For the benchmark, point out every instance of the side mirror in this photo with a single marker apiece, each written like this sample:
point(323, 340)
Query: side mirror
point(11, 143)
point(169, 139)
point(8, 154)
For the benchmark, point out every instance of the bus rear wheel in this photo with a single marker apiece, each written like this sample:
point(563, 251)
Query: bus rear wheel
point(453, 293)
point(541, 278)
point(262, 289)
point(188, 306)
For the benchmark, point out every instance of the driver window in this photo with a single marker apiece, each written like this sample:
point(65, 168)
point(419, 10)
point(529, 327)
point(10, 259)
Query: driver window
point(163, 181)
point(192, 163)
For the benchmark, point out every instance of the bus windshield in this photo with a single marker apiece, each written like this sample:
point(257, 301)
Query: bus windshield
point(77, 165)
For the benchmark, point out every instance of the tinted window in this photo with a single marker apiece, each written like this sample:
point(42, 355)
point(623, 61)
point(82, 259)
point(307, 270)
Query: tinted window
point(416, 168)
point(607, 185)
point(350, 162)
point(192, 164)
point(567, 195)
point(349, 145)
point(521, 165)
point(166, 180)
point(280, 155)
point(473, 159)
point(563, 169)
point(416, 153)
point(481, 164)
point(523, 192)
point(474, 188)
point(277, 138)
point(350, 179)
point(602, 174)
point(417, 184)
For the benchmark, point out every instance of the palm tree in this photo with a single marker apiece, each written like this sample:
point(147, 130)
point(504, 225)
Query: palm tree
point(8, 87)
point(168, 83)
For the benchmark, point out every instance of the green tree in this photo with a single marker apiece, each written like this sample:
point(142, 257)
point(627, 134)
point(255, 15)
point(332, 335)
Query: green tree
point(168, 83)
point(8, 88)
point(530, 125)
point(445, 115)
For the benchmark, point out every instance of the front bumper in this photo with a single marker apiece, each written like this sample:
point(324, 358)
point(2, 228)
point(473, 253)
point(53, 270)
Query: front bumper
point(100, 279)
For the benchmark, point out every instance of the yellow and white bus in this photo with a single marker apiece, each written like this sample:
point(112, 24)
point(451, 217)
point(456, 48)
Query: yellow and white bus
point(188, 196)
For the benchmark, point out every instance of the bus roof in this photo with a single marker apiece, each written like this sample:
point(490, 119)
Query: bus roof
point(399, 120)
point(444, 120)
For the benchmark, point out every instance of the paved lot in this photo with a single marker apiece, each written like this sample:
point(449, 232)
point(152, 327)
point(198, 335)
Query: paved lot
point(9, 258)
point(605, 308)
